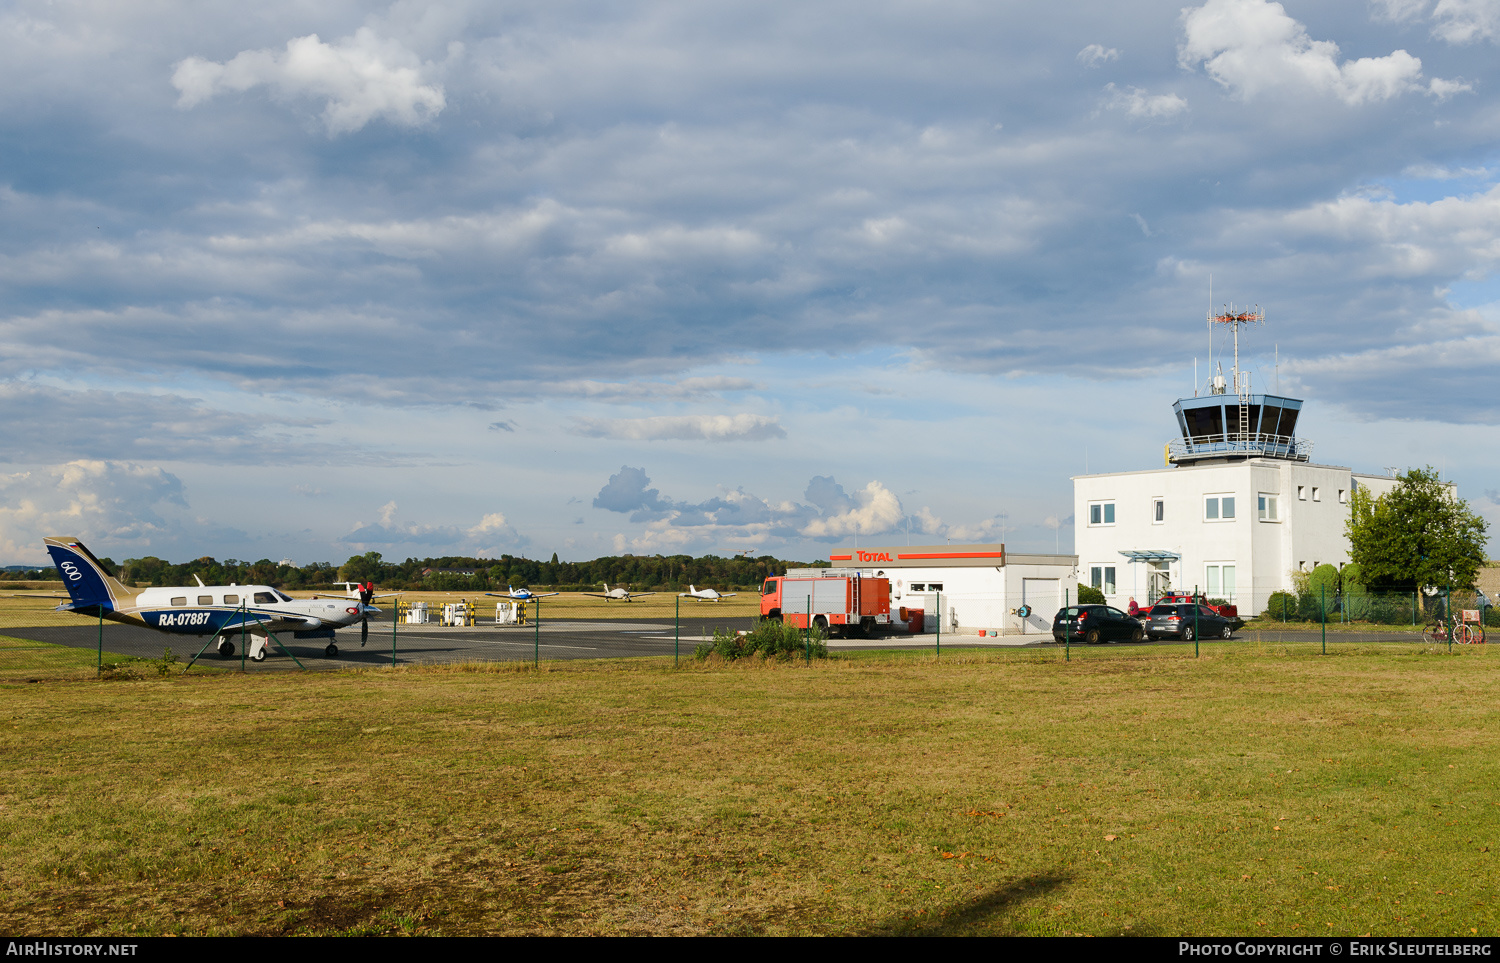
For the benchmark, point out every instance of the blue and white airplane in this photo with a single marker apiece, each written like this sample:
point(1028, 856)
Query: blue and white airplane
point(521, 594)
point(223, 611)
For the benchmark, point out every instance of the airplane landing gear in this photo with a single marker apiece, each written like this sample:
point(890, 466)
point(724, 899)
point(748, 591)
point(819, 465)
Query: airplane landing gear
point(226, 649)
point(332, 651)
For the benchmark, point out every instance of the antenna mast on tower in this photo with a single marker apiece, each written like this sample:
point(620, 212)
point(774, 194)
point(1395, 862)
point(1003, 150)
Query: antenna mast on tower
point(1234, 319)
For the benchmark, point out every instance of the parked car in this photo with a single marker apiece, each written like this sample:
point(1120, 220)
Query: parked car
point(1095, 623)
point(1227, 610)
point(1187, 622)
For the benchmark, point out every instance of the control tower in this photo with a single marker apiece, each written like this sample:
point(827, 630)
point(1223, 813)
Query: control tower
point(1232, 423)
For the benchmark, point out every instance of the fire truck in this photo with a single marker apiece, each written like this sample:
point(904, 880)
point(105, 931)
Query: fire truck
point(843, 599)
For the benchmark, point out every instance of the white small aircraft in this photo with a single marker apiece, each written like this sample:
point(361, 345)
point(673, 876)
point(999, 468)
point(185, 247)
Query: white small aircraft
point(521, 595)
point(704, 595)
point(222, 611)
point(617, 594)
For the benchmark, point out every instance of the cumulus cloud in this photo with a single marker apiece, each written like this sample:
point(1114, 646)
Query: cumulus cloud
point(1463, 21)
point(492, 531)
point(1095, 55)
point(1139, 104)
point(1455, 21)
point(741, 427)
point(1252, 47)
point(102, 502)
point(359, 79)
point(872, 509)
point(828, 512)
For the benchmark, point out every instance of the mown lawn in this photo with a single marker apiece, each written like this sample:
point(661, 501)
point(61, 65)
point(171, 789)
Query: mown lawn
point(1257, 790)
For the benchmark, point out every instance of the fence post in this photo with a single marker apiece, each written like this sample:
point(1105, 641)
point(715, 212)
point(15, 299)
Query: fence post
point(1323, 605)
point(1448, 612)
point(1067, 632)
point(99, 663)
point(939, 597)
point(807, 638)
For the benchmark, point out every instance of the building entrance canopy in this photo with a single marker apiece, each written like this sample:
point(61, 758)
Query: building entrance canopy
point(1147, 555)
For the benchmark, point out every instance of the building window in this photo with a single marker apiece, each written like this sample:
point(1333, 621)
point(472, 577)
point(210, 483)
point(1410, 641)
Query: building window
point(1158, 511)
point(1266, 505)
point(1315, 494)
point(1219, 578)
point(1102, 577)
point(1218, 508)
point(919, 586)
point(1101, 513)
point(1301, 493)
point(1343, 497)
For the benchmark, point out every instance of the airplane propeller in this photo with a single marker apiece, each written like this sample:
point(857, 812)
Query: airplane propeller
point(366, 593)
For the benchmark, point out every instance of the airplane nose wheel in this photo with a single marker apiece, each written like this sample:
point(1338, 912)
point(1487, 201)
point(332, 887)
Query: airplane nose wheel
point(332, 651)
point(226, 649)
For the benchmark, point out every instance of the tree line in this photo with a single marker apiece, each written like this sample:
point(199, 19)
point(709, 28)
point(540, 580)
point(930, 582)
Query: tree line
point(450, 573)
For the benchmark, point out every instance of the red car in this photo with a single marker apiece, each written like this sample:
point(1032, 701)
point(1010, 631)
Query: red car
point(1187, 598)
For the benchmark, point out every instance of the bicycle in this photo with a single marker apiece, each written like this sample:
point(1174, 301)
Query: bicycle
point(1437, 631)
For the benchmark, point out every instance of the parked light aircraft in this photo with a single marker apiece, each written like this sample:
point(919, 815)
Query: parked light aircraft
point(704, 595)
point(222, 611)
point(617, 594)
point(521, 594)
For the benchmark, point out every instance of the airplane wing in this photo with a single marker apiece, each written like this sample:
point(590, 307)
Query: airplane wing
point(596, 595)
point(25, 595)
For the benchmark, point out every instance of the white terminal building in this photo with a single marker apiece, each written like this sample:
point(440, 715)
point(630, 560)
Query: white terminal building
point(1239, 508)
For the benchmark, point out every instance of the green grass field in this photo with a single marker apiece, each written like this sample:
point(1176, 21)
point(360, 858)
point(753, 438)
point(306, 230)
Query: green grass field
point(1260, 789)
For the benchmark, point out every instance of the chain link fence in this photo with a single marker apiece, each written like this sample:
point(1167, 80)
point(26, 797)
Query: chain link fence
point(39, 643)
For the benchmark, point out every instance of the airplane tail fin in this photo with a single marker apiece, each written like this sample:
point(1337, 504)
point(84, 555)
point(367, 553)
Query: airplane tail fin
point(89, 585)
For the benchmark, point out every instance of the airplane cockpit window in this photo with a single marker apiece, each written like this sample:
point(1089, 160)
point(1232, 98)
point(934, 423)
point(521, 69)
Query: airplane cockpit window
point(282, 595)
point(264, 598)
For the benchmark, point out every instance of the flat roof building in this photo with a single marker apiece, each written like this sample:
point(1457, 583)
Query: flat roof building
point(972, 588)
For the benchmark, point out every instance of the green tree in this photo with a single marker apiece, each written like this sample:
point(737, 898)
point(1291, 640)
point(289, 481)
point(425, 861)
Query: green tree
point(361, 568)
point(1417, 534)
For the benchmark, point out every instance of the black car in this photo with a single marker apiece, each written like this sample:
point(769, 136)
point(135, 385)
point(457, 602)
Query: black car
point(1187, 622)
point(1095, 623)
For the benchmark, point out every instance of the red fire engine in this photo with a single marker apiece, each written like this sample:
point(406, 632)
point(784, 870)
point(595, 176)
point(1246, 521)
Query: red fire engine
point(851, 601)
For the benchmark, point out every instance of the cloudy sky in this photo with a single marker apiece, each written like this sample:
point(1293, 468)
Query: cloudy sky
point(306, 280)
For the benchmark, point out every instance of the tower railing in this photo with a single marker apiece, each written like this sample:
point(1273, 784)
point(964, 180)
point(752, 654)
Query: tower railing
point(1240, 443)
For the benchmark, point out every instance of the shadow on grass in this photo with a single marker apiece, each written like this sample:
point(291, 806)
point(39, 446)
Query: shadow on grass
point(991, 914)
